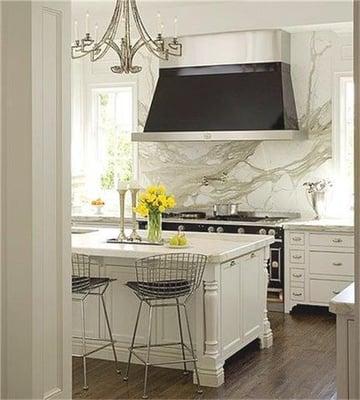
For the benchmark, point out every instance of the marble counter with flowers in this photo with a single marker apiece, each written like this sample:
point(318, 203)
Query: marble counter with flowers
point(227, 311)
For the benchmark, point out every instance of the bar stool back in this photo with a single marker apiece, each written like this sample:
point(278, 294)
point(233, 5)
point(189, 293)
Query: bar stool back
point(172, 277)
point(83, 285)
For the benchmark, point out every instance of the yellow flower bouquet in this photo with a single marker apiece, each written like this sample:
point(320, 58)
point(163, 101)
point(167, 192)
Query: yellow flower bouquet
point(152, 203)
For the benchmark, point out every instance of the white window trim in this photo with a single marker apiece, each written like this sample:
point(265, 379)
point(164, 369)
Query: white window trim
point(90, 115)
point(340, 79)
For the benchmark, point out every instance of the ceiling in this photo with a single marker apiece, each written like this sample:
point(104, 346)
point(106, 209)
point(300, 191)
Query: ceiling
point(204, 16)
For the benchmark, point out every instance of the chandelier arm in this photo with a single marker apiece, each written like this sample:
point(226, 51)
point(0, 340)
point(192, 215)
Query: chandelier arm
point(148, 42)
point(109, 34)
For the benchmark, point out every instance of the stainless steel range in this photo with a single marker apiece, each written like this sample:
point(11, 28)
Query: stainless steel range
point(241, 222)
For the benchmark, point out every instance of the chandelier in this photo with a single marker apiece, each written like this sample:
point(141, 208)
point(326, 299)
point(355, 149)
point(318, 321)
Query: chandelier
point(126, 49)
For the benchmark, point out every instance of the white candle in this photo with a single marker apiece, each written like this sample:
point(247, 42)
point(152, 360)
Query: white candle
point(76, 30)
point(87, 22)
point(162, 29)
point(96, 32)
point(175, 27)
point(159, 23)
point(134, 185)
point(122, 185)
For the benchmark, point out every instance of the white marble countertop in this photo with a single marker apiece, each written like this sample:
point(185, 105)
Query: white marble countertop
point(344, 302)
point(322, 225)
point(219, 248)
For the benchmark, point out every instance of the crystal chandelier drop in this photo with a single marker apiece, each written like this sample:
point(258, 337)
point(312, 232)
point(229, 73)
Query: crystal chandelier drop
point(124, 10)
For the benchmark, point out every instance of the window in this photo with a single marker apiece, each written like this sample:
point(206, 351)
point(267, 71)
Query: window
point(344, 136)
point(110, 155)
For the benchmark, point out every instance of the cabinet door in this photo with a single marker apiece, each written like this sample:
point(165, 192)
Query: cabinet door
point(251, 268)
point(230, 307)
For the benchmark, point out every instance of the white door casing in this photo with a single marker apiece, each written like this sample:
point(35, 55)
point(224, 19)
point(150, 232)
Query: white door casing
point(35, 236)
point(51, 207)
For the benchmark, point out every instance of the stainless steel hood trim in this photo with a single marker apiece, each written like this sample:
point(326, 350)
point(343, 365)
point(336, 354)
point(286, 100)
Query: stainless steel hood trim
point(217, 136)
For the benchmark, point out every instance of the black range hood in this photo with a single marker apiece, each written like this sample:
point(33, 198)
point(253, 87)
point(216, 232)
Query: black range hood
point(240, 101)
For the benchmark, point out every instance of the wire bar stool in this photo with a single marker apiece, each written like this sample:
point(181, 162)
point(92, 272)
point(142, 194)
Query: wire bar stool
point(83, 285)
point(166, 280)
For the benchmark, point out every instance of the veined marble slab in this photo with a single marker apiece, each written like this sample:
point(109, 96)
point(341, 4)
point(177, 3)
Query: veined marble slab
point(322, 225)
point(218, 247)
point(344, 302)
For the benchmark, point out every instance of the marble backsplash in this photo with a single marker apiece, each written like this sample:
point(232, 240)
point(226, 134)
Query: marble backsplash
point(260, 175)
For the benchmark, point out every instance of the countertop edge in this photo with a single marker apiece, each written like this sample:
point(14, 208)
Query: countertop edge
point(344, 302)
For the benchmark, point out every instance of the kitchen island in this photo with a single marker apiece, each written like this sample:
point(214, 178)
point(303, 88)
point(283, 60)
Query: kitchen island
point(226, 313)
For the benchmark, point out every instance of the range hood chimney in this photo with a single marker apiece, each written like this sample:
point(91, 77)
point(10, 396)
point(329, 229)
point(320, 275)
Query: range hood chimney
point(229, 86)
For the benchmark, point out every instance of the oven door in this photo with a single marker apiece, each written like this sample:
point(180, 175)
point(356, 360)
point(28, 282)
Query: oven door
point(276, 266)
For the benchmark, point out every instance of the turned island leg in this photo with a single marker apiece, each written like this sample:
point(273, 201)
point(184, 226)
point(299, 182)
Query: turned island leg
point(210, 365)
point(266, 340)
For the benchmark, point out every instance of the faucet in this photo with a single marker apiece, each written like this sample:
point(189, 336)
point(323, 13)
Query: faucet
point(206, 179)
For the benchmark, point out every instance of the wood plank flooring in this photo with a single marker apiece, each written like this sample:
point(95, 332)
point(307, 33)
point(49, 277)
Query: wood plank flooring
point(300, 365)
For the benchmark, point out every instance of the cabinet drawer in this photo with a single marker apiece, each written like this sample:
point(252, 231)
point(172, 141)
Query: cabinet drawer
point(331, 240)
point(322, 291)
point(297, 239)
point(297, 275)
point(297, 256)
point(297, 294)
point(331, 263)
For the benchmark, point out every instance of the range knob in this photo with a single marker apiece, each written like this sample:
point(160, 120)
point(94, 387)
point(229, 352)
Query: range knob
point(181, 228)
point(241, 230)
point(262, 231)
point(211, 229)
point(272, 232)
point(220, 229)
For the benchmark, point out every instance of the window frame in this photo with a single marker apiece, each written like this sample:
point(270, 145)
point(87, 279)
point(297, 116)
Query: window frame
point(338, 120)
point(91, 118)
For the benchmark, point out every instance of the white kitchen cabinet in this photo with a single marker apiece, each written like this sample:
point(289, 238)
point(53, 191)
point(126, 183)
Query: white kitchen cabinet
point(318, 265)
point(240, 301)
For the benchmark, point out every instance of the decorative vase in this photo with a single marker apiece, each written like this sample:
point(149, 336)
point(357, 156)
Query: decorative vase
point(154, 226)
point(317, 201)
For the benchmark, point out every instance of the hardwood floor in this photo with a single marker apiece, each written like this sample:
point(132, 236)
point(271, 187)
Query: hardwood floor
point(301, 365)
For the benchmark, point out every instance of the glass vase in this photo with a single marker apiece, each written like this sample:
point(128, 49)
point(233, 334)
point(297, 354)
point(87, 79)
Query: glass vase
point(154, 227)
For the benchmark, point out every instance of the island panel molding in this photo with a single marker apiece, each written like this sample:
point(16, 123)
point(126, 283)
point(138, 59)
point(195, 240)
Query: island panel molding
point(235, 270)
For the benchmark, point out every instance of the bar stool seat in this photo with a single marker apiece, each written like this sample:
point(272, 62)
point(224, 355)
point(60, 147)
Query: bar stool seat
point(81, 284)
point(161, 289)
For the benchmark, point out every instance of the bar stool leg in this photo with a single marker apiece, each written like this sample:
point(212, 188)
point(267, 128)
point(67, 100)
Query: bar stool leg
point(145, 396)
point(110, 334)
point(199, 390)
point(181, 335)
point(82, 308)
point(126, 377)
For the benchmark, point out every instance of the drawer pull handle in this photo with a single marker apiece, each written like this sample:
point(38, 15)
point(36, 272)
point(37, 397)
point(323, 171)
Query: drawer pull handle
point(337, 264)
point(232, 263)
point(297, 275)
point(297, 257)
point(337, 240)
point(253, 255)
point(336, 291)
point(296, 239)
point(297, 294)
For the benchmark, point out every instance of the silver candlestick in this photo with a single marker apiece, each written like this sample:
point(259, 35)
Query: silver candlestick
point(134, 235)
point(122, 237)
